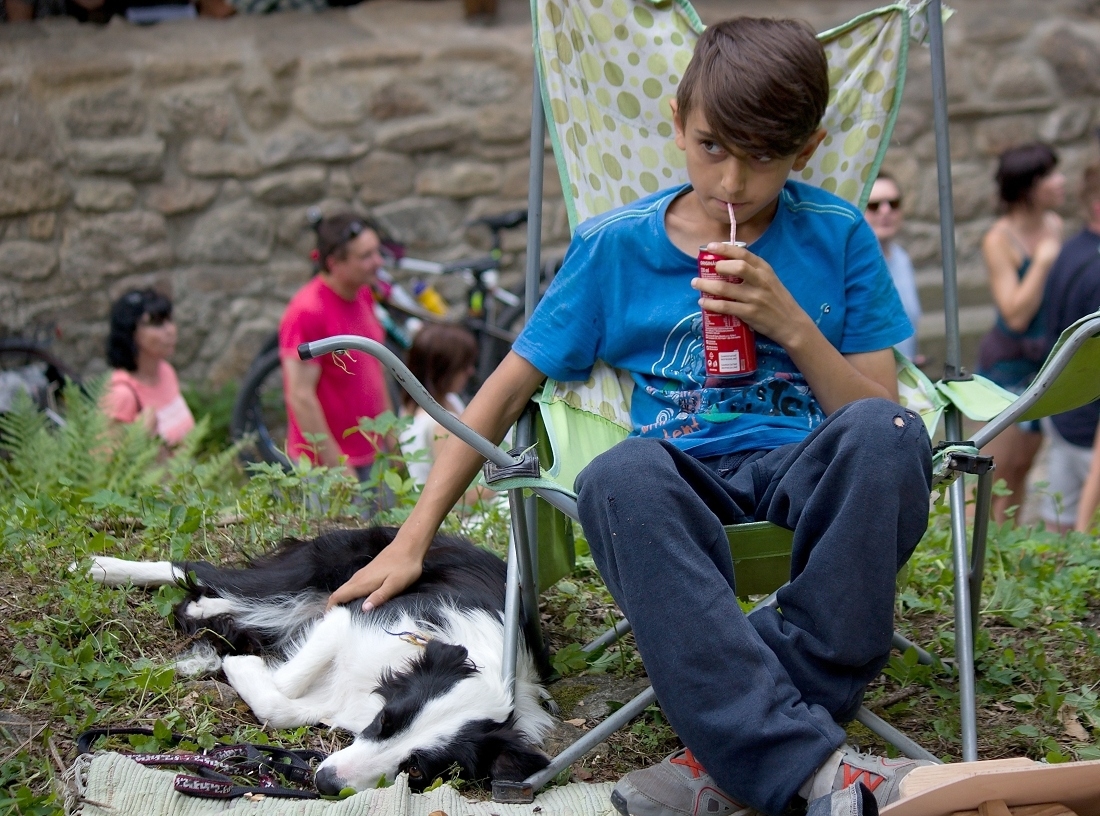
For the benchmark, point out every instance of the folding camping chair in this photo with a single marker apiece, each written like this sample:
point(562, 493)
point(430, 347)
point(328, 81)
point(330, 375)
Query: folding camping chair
point(601, 141)
point(582, 419)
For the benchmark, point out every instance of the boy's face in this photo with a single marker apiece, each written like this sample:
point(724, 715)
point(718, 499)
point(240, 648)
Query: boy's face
point(722, 174)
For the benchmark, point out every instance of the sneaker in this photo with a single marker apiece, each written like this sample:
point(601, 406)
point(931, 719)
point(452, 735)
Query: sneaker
point(880, 775)
point(678, 786)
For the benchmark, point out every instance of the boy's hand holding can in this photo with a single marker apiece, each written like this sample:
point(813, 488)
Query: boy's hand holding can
point(744, 285)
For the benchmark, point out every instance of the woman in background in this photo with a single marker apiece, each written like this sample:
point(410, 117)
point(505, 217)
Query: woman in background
point(143, 385)
point(1019, 251)
point(884, 215)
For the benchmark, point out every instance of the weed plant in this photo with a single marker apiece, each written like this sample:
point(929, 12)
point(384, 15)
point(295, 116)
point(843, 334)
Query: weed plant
point(75, 655)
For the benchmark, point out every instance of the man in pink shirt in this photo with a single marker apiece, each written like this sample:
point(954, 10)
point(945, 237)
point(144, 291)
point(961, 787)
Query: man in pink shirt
point(325, 397)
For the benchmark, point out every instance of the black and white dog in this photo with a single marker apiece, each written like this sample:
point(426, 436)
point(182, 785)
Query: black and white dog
point(418, 680)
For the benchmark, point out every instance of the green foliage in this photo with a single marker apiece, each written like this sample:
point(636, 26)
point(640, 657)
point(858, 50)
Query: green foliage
point(215, 405)
point(1037, 646)
point(78, 655)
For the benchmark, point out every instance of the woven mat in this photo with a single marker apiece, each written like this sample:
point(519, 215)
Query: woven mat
point(110, 784)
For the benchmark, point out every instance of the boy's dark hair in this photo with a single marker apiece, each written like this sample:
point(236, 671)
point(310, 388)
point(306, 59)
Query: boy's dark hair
point(335, 232)
point(1019, 168)
point(126, 312)
point(761, 83)
point(439, 352)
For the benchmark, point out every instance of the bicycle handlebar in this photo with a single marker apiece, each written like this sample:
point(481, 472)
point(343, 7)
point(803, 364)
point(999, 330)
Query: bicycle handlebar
point(477, 266)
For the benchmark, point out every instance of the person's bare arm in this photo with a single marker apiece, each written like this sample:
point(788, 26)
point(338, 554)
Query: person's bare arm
point(493, 410)
point(1090, 491)
point(762, 301)
point(475, 493)
point(1018, 299)
point(301, 379)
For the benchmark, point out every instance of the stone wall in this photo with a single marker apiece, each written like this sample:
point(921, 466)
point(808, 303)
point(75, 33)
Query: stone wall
point(186, 154)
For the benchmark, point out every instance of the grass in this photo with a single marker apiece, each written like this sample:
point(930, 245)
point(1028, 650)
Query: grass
point(74, 655)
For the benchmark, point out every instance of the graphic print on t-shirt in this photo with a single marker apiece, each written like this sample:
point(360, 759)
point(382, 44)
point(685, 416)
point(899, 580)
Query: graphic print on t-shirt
point(679, 382)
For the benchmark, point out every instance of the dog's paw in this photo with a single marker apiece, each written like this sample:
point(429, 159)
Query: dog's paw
point(208, 607)
point(245, 669)
point(252, 679)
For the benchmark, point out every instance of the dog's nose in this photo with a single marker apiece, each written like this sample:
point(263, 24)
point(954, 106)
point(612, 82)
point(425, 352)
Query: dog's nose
point(328, 782)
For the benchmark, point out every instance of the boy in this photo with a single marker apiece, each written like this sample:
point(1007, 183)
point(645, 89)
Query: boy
point(813, 440)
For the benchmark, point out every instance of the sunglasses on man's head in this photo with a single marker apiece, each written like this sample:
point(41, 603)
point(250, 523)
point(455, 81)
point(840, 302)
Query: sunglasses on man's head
point(352, 231)
point(875, 206)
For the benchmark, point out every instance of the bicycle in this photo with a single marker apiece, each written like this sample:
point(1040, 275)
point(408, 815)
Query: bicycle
point(492, 312)
point(27, 366)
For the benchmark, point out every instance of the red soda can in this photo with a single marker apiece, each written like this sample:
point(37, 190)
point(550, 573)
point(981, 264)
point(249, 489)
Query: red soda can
point(729, 344)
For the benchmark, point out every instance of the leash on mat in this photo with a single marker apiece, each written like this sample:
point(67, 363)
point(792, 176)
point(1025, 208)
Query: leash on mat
point(218, 770)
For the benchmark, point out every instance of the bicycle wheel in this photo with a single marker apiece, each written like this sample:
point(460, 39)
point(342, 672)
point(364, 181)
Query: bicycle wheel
point(29, 368)
point(259, 414)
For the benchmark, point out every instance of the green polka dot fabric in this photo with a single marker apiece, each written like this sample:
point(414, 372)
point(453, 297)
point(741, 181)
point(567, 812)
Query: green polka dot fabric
point(609, 69)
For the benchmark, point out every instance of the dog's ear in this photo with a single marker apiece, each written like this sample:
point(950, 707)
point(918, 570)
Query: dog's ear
point(516, 758)
point(447, 659)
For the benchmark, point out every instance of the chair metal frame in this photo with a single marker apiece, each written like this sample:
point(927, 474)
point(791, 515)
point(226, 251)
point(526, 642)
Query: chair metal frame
point(967, 556)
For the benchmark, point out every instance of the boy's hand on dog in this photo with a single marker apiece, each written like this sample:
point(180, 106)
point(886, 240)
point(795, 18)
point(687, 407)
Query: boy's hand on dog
point(761, 299)
point(389, 574)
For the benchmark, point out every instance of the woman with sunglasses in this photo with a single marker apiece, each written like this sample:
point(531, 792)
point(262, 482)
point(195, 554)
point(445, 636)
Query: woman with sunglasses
point(883, 213)
point(1019, 251)
point(143, 386)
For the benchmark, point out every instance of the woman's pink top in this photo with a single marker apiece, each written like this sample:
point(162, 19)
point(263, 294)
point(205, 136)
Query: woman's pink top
point(127, 397)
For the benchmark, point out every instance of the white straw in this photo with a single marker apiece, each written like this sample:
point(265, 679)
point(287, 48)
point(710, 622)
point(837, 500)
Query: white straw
point(733, 223)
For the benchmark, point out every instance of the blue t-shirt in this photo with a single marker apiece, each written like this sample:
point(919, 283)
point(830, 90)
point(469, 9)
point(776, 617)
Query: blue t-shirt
point(624, 296)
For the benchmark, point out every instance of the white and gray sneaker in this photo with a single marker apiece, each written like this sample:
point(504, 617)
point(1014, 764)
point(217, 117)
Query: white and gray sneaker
point(879, 775)
point(681, 786)
point(678, 786)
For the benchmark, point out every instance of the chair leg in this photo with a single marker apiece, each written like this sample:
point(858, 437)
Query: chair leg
point(903, 644)
point(610, 636)
point(964, 634)
point(579, 748)
point(529, 585)
point(521, 590)
point(511, 612)
point(983, 501)
point(879, 726)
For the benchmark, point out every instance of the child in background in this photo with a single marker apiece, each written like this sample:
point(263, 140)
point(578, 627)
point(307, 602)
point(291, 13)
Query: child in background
point(442, 357)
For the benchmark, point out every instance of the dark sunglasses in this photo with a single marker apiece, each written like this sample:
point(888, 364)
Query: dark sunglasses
point(875, 206)
point(149, 319)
